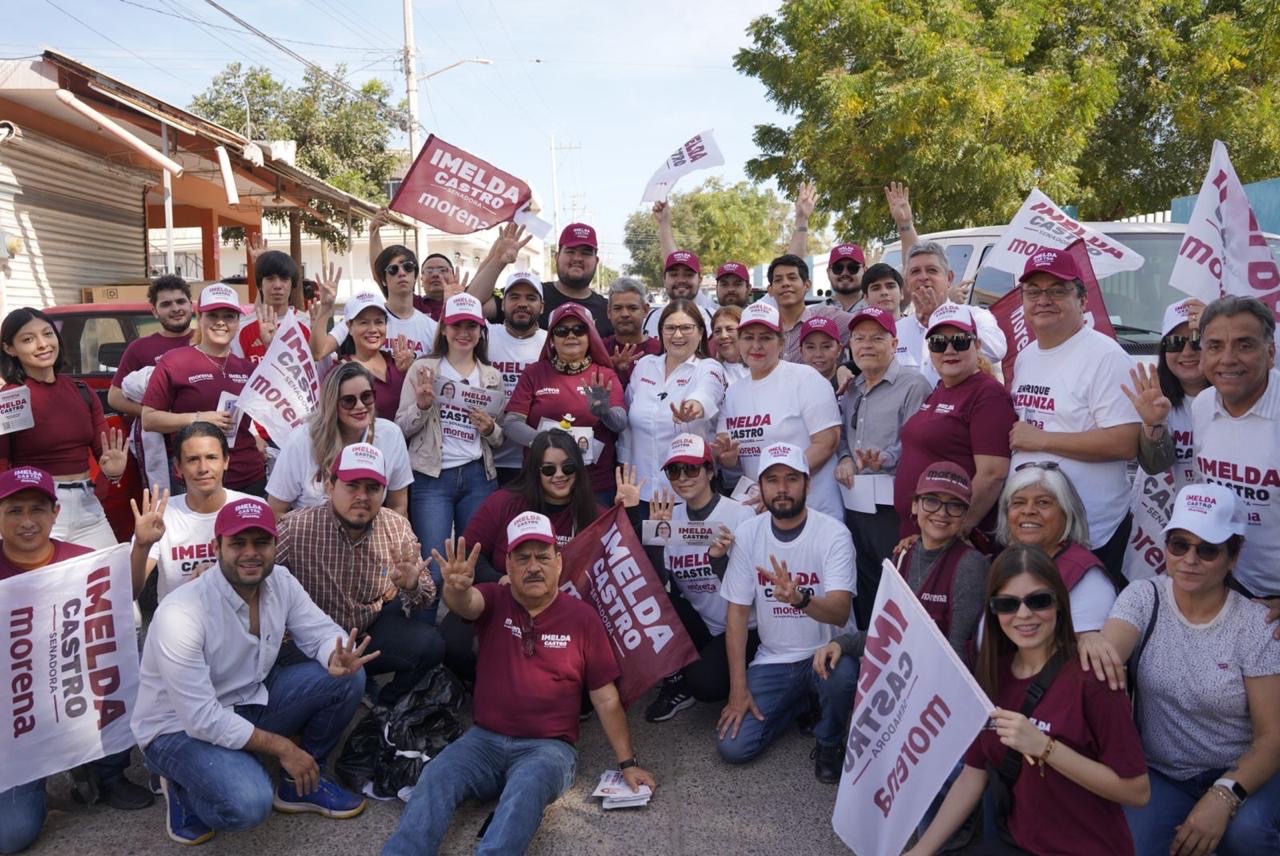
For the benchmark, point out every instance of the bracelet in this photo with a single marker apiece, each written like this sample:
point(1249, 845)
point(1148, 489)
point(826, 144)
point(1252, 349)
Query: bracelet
point(1227, 797)
point(910, 227)
point(1043, 759)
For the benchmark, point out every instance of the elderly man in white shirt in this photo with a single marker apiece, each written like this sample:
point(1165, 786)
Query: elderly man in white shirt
point(211, 695)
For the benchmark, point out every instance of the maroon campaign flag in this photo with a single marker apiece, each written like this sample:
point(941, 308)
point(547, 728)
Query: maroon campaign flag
point(1013, 323)
point(605, 565)
point(457, 192)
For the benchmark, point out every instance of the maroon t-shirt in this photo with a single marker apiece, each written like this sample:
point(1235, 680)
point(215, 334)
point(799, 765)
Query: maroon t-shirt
point(146, 351)
point(188, 380)
point(544, 393)
point(954, 424)
point(649, 346)
point(429, 305)
point(488, 525)
point(68, 427)
point(1081, 712)
point(540, 694)
point(61, 552)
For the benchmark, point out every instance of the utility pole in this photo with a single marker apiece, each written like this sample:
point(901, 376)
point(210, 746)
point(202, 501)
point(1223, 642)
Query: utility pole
point(555, 187)
point(411, 91)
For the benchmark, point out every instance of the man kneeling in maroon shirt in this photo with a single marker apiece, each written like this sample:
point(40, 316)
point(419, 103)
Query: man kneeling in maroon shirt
point(538, 649)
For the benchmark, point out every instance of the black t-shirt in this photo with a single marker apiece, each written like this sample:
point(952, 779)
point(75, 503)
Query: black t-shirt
point(595, 303)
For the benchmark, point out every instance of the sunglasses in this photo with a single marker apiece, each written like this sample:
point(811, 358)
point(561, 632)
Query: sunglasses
point(549, 470)
point(1177, 344)
point(348, 402)
point(1007, 604)
point(681, 471)
point(1207, 552)
point(577, 331)
point(951, 507)
point(845, 267)
point(407, 267)
point(1039, 465)
point(960, 341)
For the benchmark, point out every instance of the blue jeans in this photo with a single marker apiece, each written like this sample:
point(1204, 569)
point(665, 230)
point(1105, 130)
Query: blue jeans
point(526, 774)
point(1255, 828)
point(782, 692)
point(229, 788)
point(23, 809)
point(442, 505)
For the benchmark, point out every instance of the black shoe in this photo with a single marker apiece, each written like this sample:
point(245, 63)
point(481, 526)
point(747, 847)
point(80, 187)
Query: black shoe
point(84, 785)
point(827, 763)
point(125, 795)
point(672, 699)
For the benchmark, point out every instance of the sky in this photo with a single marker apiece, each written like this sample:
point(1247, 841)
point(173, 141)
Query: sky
point(619, 86)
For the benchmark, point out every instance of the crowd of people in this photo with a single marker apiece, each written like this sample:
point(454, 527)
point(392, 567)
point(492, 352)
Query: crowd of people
point(463, 437)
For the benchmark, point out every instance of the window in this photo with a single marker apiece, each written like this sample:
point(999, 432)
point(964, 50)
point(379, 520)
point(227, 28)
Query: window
point(94, 344)
point(393, 187)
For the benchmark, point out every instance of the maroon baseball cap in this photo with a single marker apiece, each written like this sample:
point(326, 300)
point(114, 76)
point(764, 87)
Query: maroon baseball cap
point(876, 314)
point(945, 477)
point(19, 479)
point(840, 252)
point(819, 325)
point(1058, 263)
point(245, 514)
point(683, 257)
point(578, 235)
point(733, 269)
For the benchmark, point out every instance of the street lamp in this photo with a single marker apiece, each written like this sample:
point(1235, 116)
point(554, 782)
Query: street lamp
point(476, 59)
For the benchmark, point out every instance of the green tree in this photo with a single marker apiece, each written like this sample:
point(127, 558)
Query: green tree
point(719, 222)
point(343, 136)
point(1110, 106)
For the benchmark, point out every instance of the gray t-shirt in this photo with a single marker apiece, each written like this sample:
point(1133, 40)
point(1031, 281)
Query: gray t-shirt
point(1194, 711)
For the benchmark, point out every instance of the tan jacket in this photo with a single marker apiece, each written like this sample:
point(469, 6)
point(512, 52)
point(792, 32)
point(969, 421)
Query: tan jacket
point(422, 427)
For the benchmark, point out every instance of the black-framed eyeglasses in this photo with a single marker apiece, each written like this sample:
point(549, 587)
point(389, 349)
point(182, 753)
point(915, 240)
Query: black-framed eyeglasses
point(845, 267)
point(1178, 546)
point(348, 402)
point(960, 341)
point(1039, 465)
point(1007, 604)
point(1055, 292)
point(395, 268)
point(681, 471)
point(577, 331)
point(950, 507)
point(549, 470)
point(1177, 344)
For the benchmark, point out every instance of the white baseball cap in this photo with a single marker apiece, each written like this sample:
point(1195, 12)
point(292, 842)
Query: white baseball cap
point(524, 276)
point(688, 449)
point(1208, 511)
point(952, 315)
point(785, 454)
point(219, 296)
point(362, 301)
point(1175, 314)
point(462, 307)
point(762, 313)
point(361, 461)
point(529, 526)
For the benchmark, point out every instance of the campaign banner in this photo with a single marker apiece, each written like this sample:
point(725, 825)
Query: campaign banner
point(1009, 313)
point(283, 388)
point(669, 533)
point(700, 152)
point(459, 193)
point(69, 673)
point(606, 566)
point(1151, 501)
point(15, 410)
point(1223, 250)
point(1041, 224)
point(916, 711)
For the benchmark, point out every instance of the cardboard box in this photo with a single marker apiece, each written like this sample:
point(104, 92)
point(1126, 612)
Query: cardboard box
point(131, 293)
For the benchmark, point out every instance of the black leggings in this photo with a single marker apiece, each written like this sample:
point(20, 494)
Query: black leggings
point(707, 678)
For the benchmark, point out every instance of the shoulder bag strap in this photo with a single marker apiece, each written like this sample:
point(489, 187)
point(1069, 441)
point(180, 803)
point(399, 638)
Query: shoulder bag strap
point(1011, 764)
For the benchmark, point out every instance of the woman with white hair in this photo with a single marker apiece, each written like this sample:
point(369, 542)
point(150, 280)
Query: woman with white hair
point(1040, 506)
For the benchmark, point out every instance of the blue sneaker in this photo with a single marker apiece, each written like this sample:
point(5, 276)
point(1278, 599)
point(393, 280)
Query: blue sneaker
point(329, 799)
point(181, 823)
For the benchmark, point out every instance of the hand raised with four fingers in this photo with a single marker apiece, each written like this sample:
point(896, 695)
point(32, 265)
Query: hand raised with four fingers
point(348, 657)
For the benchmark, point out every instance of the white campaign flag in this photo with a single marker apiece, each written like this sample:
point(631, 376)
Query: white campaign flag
point(284, 387)
point(700, 152)
point(917, 710)
point(1223, 250)
point(1041, 223)
point(69, 672)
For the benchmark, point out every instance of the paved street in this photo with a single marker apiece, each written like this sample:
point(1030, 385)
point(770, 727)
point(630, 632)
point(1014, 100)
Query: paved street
point(703, 807)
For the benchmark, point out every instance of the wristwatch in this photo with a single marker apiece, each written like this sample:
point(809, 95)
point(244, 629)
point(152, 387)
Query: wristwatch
point(1235, 787)
point(633, 761)
point(805, 599)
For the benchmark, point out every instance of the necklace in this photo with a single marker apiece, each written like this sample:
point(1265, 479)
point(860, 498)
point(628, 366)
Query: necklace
point(221, 367)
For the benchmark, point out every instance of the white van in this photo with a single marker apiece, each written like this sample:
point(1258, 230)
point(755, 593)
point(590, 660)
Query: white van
point(1135, 300)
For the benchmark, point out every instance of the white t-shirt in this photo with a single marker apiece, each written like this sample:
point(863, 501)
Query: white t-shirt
point(789, 405)
point(293, 478)
point(914, 352)
point(187, 544)
point(1191, 695)
point(734, 371)
point(1244, 455)
point(511, 356)
point(651, 427)
point(1091, 601)
point(651, 320)
point(418, 329)
point(821, 557)
point(1072, 388)
point(690, 567)
point(460, 440)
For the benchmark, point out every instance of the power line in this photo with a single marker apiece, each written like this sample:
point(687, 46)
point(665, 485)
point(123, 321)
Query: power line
point(105, 37)
point(254, 58)
point(516, 53)
point(182, 17)
point(366, 29)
